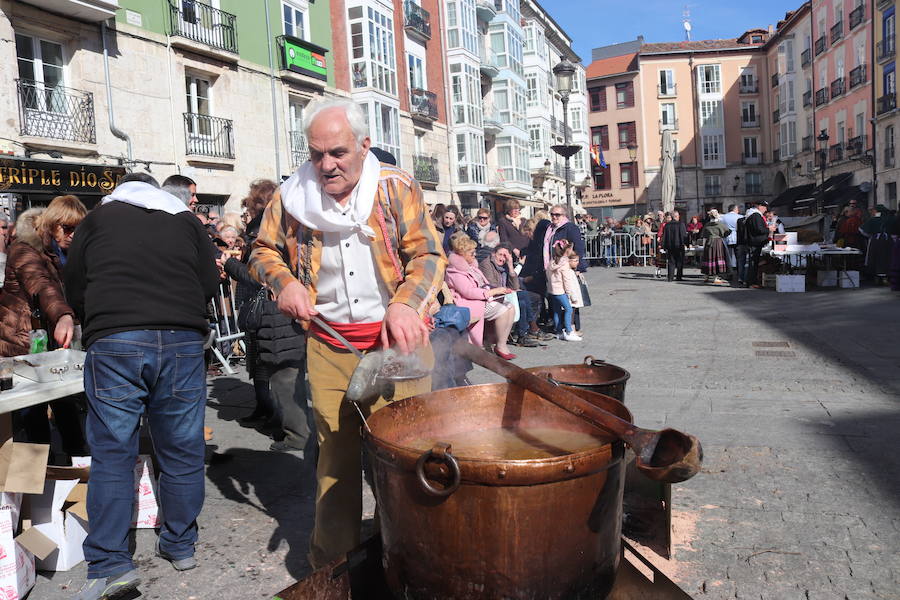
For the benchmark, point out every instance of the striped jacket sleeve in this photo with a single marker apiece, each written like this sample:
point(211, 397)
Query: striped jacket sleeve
point(420, 246)
point(272, 262)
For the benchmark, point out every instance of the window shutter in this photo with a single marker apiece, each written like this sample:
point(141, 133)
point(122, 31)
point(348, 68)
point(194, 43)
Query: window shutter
point(604, 137)
point(629, 94)
point(632, 133)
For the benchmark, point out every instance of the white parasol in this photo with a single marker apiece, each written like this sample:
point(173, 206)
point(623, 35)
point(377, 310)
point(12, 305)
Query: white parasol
point(668, 172)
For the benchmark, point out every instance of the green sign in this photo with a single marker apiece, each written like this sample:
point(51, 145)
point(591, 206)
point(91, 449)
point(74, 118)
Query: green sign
point(302, 57)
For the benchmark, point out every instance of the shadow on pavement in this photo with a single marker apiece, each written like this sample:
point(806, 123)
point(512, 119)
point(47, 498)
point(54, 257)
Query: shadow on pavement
point(280, 485)
point(231, 398)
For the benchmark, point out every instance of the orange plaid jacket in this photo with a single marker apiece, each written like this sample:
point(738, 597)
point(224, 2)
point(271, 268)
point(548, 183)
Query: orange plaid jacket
point(407, 248)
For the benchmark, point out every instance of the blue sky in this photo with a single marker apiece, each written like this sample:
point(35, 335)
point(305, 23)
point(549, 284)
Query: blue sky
point(592, 23)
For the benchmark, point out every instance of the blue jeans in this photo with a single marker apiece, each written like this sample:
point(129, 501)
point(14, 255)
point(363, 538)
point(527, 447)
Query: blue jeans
point(562, 312)
point(162, 373)
point(529, 305)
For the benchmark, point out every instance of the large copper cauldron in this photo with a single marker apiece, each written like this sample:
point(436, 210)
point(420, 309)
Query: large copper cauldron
point(594, 375)
point(462, 528)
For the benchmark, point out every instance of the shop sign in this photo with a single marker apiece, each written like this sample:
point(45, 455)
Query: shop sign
point(305, 58)
point(23, 176)
point(603, 198)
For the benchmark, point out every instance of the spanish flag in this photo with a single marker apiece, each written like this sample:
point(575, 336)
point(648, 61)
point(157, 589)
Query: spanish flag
point(597, 155)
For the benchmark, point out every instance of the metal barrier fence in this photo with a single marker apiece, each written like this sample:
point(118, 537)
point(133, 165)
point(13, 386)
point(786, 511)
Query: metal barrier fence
point(225, 327)
point(621, 248)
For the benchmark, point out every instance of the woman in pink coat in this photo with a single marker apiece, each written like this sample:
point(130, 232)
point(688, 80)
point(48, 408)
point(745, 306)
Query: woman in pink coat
point(471, 289)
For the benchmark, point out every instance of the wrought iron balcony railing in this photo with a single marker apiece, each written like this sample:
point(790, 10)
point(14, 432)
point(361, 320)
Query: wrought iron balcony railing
point(208, 136)
point(667, 91)
point(299, 148)
point(805, 57)
point(776, 155)
point(836, 152)
point(887, 103)
point(856, 145)
point(882, 4)
point(58, 113)
point(754, 188)
point(774, 80)
point(749, 123)
point(423, 103)
point(711, 189)
point(202, 23)
point(837, 87)
point(807, 98)
point(559, 128)
point(857, 76)
point(776, 115)
point(425, 169)
point(857, 15)
point(417, 20)
point(837, 32)
point(749, 88)
point(819, 46)
point(670, 125)
point(886, 49)
point(821, 96)
point(752, 159)
point(806, 144)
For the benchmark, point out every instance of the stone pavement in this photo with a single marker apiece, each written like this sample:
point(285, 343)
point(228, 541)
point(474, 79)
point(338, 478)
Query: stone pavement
point(796, 398)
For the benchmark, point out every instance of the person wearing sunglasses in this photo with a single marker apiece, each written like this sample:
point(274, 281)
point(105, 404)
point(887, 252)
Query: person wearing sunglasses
point(33, 298)
point(480, 226)
point(561, 228)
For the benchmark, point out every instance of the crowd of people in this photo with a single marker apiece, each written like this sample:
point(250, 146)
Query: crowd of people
point(521, 279)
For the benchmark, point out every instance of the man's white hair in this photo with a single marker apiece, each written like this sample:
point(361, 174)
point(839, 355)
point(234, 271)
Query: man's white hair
point(354, 112)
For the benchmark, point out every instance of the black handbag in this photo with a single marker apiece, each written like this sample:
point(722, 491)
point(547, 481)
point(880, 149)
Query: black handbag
point(585, 294)
point(251, 313)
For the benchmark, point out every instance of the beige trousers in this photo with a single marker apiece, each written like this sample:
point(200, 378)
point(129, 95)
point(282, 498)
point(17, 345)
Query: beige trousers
point(339, 470)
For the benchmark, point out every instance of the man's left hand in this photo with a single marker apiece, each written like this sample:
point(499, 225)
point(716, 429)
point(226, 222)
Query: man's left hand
point(403, 327)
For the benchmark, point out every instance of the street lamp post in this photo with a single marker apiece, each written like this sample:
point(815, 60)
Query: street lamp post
point(822, 138)
point(564, 72)
point(632, 155)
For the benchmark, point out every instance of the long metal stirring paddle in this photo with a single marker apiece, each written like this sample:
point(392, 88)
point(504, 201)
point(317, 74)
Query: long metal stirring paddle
point(331, 331)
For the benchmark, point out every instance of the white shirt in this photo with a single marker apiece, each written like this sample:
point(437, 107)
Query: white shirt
point(348, 288)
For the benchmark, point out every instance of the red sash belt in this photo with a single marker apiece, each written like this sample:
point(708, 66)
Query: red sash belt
point(363, 336)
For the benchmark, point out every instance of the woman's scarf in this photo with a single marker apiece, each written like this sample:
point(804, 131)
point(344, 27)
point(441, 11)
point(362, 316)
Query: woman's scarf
point(459, 263)
point(549, 236)
point(303, 198)
point(144, 195)
point(482, 232)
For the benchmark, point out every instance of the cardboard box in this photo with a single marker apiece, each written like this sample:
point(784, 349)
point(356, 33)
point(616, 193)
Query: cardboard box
point(790, 283)
point(826, 278)
point(17, 570)
point(22, 466)
point(146, 514)
point(768, 280)
point(848, 279)
point(62, 522)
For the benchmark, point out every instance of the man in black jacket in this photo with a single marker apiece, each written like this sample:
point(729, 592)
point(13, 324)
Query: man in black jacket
point(674, 239)
point(139, 275)
point(756, 235)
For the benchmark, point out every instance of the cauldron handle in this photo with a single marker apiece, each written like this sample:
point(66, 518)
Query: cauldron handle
point(593, 362)
point(440, 451)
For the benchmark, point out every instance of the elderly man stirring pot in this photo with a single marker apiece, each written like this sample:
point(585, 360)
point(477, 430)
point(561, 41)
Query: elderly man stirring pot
point(347, 239)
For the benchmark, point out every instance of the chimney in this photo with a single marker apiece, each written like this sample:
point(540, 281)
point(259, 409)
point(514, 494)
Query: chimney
point(640, 39)
point(771, 29)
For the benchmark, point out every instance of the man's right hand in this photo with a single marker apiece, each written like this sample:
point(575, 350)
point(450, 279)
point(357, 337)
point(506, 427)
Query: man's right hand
point(294, 302)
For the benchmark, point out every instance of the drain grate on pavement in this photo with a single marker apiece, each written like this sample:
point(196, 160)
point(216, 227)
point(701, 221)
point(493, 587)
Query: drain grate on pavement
point(771, 345)
point(776, 354)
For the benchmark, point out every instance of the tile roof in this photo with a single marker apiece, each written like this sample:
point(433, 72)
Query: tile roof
point(612, 66)
point(699, 46)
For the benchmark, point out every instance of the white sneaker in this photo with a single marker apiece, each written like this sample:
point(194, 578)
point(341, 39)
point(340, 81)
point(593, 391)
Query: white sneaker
point(571, 336)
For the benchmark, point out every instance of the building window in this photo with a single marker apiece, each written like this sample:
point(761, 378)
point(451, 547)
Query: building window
point(576, 119)
point(465, 88)
point(578, 160)
point(512, 159)
point(532, 94)
point(600, 136)
point(416, 72)
point(598, 98)
point(666, 82)
point(507, 45)
point(387, 128)
point(711, 114)
point(462, 28)
point(748, 80)
point(627, 177)
point(470, 163)
point(751, 147)
point(627, 134)
point(373, 61)
point(712, 185)
point(713, 151)
point(890, 192)
point(753, 183)
point(40, 61)
point(748, 114)
point(709, 79)
point(625, 95)
point(294, 19)
point(667, 116)
point(535, 141)
point(788, 138)
point(889, 146)
point(601, 177)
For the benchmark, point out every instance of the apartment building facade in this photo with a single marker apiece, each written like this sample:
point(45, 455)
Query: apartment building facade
point(887, 118)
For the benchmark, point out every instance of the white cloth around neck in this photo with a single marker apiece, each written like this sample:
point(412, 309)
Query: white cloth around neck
point(144, 195)
point(304, 199)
